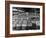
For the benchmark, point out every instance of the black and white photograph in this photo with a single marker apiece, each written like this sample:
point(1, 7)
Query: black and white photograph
point(25, 18)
